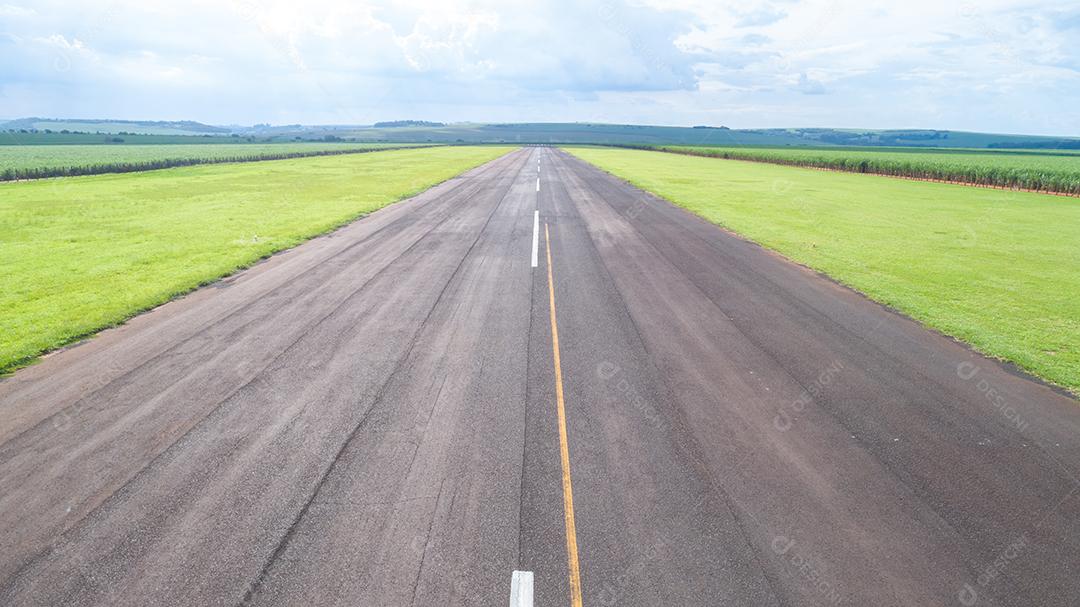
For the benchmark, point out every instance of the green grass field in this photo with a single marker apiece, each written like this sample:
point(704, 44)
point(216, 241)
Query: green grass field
point(84, 253)
point(994, 268)
point(21, 160)
point(1048, 170)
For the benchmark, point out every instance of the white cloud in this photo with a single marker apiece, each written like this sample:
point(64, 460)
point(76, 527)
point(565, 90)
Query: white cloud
point(999, 65)
point(10, 10)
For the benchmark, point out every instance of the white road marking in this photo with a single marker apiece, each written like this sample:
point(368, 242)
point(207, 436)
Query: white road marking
point(521, 589)
point(536, 236)
point(538, 183)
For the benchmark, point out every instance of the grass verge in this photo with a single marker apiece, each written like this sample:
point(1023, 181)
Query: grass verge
point(996, 269)
point(81, 254)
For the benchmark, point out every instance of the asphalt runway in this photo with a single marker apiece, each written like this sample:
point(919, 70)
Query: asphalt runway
point(659, 413)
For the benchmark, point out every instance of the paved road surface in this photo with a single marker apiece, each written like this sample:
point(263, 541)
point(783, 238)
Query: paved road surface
point(372, 419)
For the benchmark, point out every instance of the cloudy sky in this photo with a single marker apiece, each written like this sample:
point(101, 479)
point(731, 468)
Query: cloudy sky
point(992, 65)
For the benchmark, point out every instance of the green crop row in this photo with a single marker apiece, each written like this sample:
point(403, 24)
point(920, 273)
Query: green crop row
point(1058, 173)
point(35, 162)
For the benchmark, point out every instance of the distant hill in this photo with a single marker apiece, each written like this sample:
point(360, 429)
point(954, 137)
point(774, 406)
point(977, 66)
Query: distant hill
point(630, 134)
point(392, 124)
point(114, 127)
point(421, 131)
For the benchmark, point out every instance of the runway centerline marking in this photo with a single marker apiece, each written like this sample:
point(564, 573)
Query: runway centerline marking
point(521, 589)
point(564, 449)
point(536, 237)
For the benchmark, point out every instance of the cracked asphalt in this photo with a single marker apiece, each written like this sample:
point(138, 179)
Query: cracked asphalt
point(369, 419)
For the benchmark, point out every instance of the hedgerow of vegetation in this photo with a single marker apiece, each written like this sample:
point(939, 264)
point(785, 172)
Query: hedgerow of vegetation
point(1043, 171)
point(36, 162)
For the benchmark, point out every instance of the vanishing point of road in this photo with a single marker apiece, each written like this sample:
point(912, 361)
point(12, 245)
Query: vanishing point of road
point(533, 367)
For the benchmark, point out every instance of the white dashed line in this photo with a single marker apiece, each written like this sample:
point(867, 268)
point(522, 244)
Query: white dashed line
point(521, 589)
point(536, 237)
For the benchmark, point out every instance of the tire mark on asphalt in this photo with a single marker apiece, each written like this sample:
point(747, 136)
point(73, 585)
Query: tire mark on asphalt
point(525, 414)
point(379, 396)
point(201, 421)
point(940, 392)
point(899, 385)
point(690, 446)
point(119, 382)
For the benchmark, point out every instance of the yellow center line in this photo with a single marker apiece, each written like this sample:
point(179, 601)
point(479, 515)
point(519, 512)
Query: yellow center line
point(564, 449)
